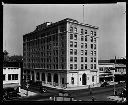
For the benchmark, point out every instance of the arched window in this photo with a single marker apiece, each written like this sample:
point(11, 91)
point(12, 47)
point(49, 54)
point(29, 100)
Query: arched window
point(49, 77)
point(84, 79)
point(43, 76)
point(55, 78)
point(37, 76)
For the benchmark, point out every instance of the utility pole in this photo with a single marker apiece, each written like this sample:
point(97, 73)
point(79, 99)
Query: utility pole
point(114, 77)
point(83, 13)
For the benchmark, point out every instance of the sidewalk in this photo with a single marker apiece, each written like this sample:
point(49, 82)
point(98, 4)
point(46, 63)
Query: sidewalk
point(24, 93)
point(79, 87)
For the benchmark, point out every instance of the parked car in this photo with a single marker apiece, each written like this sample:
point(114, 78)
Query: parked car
point(105, 84)
point(43, 90)
point(10, 93)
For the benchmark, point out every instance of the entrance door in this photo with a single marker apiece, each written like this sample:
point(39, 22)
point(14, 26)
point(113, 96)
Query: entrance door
point(84, 79)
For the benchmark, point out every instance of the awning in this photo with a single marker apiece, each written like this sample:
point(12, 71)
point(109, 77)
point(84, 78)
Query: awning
point(106, 76)
point(11, 85)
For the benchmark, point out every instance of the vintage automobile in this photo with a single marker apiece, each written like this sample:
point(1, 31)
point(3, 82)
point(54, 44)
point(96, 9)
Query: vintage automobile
point(10, 93)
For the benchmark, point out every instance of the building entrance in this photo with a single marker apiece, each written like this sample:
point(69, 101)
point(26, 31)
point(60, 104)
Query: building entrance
point(84, 79)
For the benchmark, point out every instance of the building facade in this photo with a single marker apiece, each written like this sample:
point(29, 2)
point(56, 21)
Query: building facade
point(63, 54)
point(112, 71)
point(12, 78)
point(106, 72)
point(120, 72)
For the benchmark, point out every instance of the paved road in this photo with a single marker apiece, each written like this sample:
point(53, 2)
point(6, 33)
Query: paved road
point(99, 93)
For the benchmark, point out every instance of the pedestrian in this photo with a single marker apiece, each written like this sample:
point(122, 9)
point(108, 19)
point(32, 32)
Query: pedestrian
point(93, 98)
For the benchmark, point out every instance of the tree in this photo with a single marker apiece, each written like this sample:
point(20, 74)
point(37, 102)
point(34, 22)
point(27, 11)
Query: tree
point(16, 58)
point(6, 57)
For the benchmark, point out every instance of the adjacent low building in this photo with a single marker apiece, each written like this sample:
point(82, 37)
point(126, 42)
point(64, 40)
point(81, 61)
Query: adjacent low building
point(106, 72)
point(120, 72)
point(111, 71)
point(11, 76)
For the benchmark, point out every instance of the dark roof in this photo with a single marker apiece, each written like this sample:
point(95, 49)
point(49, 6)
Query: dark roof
point(12, 64)
point(118, 61)
point(104, 61)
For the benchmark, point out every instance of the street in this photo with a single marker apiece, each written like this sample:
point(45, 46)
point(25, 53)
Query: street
point(99, 94)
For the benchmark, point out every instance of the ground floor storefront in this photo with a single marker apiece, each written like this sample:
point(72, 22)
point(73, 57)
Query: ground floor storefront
point(107, 78)
point(62, 78)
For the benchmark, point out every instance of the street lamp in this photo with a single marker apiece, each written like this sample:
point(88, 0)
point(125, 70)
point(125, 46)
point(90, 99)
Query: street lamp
point(27, 88)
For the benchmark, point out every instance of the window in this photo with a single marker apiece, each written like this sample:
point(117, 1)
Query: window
point(38, 75)
point(94, 40)
point(71, 59)
point(71, 43)
point(75, 29)
point(71, 29)
point(92, 78)
point(81, 31)
point(94, 46)
point(82, 45)
point(101, 68)
point(62, 80)
point(72, 80)
point(91, 66)
point(85, 52)
point(91, 59)
point(94, 33)
point(82, 52)
point(85, 45)
point(85, 38)
point(85, 66)
point(71, 36)
point(3, 77)
point(75, 44)
point(82, 38)
point(75, 51)
point(71, 51)
point(75, 59)
point(91, 46)
point(82, 66)
point(91, 52)
point(85, 31)
point(94, 66)
point(71, 66)
point(91, 32)
point(75, 66)
point(81, 59)
point(85, 59)
point(75, 37)
point(91, 39)
point(9, 76)
point(14, 76)
point(94, 59)
point(95, 53)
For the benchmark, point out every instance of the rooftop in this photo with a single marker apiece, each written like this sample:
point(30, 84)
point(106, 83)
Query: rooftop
point(50, 24)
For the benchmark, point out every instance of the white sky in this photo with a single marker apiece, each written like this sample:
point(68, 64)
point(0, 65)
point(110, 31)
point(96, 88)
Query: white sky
point(19, 19)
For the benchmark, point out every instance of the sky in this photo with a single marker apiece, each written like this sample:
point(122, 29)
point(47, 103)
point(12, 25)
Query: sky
point(20, 19)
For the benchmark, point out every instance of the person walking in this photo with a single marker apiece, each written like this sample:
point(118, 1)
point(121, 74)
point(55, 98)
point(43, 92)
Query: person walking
point(93, 98)
point(90, 90)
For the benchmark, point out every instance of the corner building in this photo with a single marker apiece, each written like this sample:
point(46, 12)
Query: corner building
point(62, 54)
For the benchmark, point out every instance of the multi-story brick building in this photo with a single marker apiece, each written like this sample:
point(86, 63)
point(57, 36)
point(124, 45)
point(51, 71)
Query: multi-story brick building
point(62, 54)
